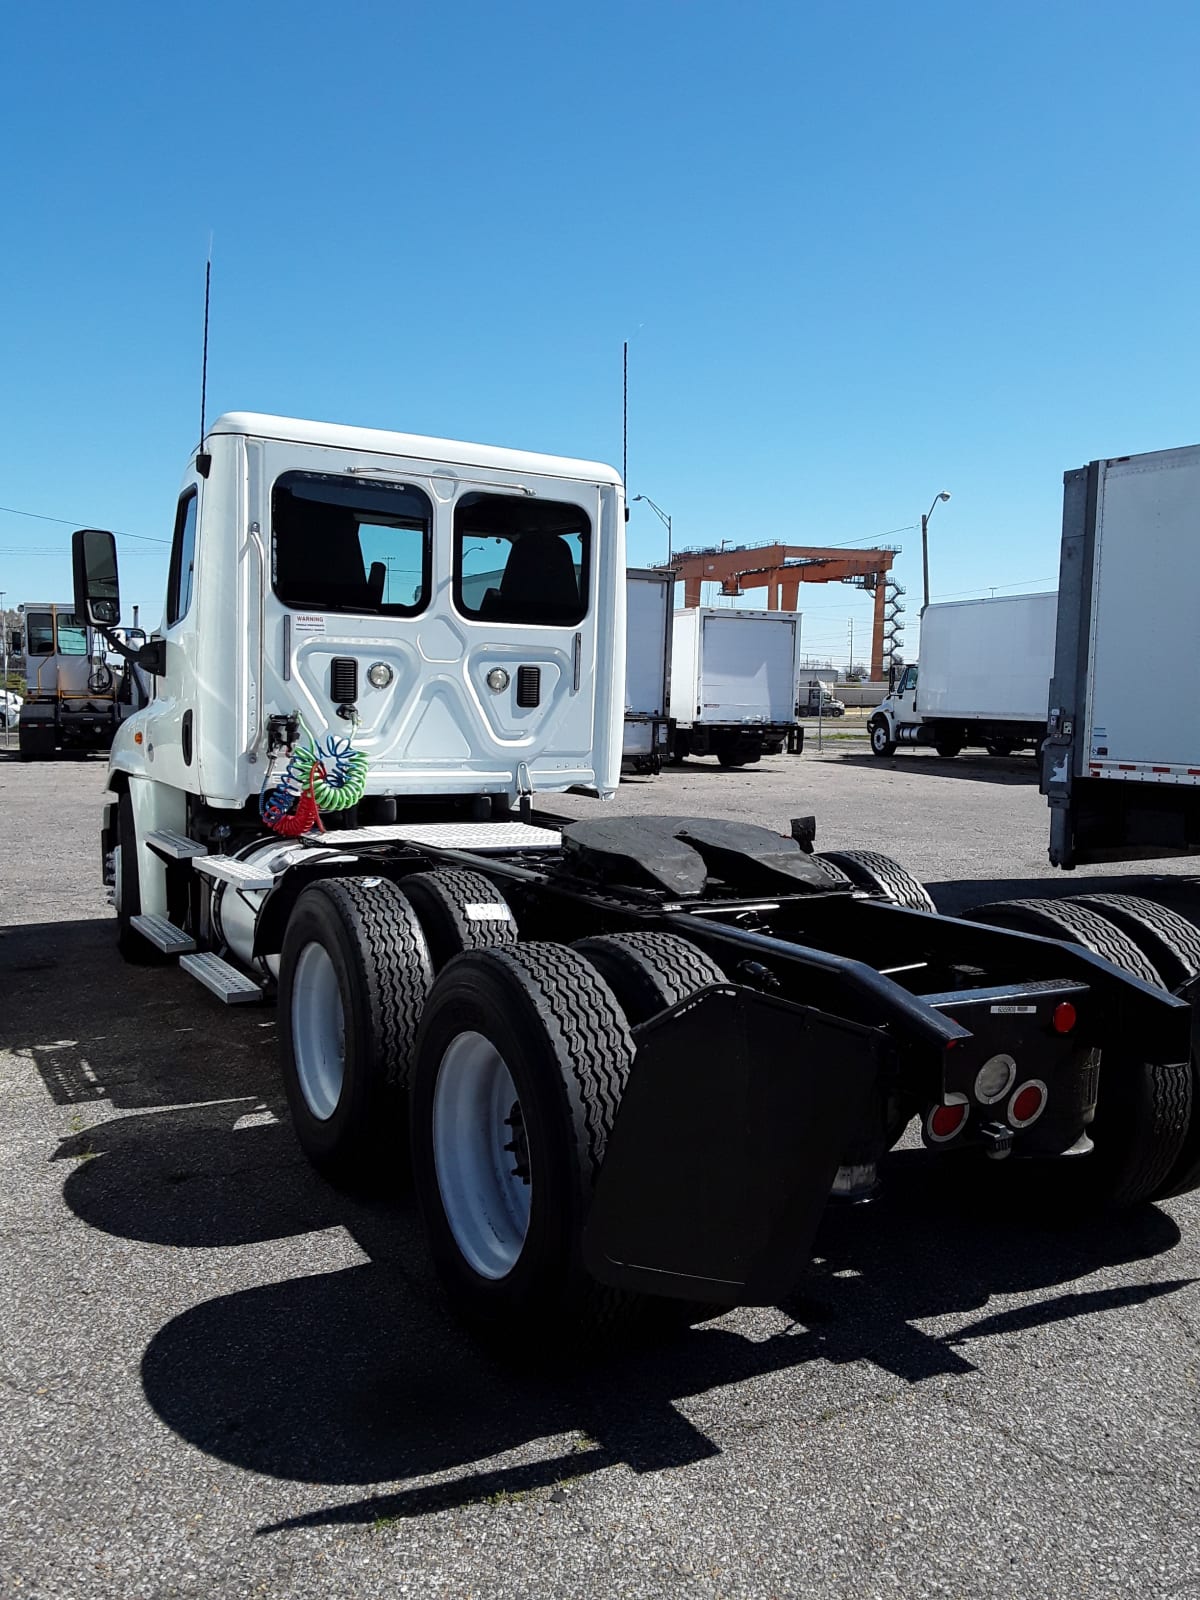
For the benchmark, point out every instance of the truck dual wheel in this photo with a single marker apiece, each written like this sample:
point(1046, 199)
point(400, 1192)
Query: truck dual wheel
point(868, 869)
point(999, 747)
point(1173, 945)
point(648, 972)
point(353, 976)
point(458, 911)
point(1142, 1130)
point(127, 898)
point(521, 1062)
point(948, 748)
point(882, 743)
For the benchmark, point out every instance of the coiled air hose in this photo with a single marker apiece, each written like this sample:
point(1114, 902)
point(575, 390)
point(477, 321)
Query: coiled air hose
point(321, 775)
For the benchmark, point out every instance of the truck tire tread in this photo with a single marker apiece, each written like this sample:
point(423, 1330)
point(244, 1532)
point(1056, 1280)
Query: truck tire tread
point(1168, 940)
point(388, 966)
point(649, 972)
point(441, 899)
point(869, 869)
point(1077, 924)
point(557, 1002)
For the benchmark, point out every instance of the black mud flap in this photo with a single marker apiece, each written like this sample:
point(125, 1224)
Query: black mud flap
point(725, 1147)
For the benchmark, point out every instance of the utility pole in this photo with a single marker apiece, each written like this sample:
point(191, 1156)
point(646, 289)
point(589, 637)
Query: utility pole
point(850, 663)
point(4, 658)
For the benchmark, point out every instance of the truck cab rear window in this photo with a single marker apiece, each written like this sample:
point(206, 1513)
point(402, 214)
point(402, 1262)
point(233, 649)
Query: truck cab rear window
point(521, 560)
point(342, 545)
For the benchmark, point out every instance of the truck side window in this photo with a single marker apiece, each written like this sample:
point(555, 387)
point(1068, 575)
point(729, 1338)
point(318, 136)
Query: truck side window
point(909, 680)
point(521, 560)
point(39, 633)
point(183, 559)
point(338, 544)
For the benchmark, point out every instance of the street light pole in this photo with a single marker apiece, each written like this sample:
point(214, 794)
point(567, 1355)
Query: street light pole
point(662, 517)
point(943, 494)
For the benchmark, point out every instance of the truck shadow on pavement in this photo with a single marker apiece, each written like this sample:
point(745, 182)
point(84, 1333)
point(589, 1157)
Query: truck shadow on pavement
point(1021, 771)
point(359, 1376)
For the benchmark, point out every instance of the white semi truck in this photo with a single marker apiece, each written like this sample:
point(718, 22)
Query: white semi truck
point(628, 1059)
point(1121, 765)
point(983, 679)
point(734, 677)
point(649, 605)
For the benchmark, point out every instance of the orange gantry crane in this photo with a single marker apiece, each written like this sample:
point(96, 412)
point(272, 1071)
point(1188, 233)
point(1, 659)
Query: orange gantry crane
point(782, 568)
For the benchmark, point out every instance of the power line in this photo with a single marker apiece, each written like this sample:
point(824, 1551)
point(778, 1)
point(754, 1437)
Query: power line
point(989, 588)
point(77, 522)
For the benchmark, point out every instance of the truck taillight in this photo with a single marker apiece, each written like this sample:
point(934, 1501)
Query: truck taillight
point(1065, 1017)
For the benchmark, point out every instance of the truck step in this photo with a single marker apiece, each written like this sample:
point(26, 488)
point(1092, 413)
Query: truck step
point(225, 869)
point(226, 982)
point(163, 934)
point(176, 845)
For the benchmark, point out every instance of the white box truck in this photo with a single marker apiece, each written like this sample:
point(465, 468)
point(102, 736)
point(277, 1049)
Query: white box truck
point(1121, 765)
point(983, 678)
point(734, 675)
point(649, 600)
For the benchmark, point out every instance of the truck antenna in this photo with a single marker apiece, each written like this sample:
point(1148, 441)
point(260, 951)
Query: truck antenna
point(203, 461)
point(625, 415)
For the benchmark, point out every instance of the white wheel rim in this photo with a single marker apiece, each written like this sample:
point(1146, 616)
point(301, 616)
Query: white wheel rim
point(318, 1031)
point(880, 738)
point(485, 1200)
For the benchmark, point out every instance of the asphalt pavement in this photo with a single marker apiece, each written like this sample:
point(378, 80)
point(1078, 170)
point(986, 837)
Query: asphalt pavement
point(224, 1378)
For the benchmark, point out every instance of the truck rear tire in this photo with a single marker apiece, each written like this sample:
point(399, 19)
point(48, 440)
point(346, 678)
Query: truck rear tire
point(353, 976)
point(521, 1063)
point(1163, 936)
point(1000, 747)
point(868, 869)
point(1173, 945)
point(1142, 1127)
point(1066, 919)
point(948, 748)
point(649, 972)
point(127, 896)
point(458, 911)
point(882, 743)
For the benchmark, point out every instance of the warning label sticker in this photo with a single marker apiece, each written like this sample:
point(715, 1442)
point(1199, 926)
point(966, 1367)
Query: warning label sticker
point(308, 622)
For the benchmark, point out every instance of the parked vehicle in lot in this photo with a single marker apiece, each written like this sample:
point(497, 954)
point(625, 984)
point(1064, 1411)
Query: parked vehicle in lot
point(632, 1059)
point(10, 708)
point(733, 683)
point(73, 699)
point(817, 699)
point(1121, 766)
point(649, 606)
point(983, 679)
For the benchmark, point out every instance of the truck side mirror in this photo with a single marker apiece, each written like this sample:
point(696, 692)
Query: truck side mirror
point(891, 680)
point(16, 644)
point(97, 592)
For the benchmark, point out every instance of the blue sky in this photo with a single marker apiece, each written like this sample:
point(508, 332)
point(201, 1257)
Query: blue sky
point(861, 252)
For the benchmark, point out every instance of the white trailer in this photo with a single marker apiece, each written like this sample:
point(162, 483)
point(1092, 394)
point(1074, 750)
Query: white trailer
point(983, 678)
point(1121, 767)
point(649, 601)
point(734, 677)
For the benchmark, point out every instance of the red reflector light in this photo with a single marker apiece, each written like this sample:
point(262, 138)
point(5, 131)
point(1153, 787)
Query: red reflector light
point(1064, 1017)
point(1027, 1104)
point(944, 1122)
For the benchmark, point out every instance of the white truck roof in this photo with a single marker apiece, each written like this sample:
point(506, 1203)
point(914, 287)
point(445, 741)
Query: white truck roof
point(379, 441)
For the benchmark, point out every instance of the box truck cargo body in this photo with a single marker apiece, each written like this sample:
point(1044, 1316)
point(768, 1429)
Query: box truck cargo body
point(1121, 765)
point(734, 675)
point(983, 678)
point(649, 602)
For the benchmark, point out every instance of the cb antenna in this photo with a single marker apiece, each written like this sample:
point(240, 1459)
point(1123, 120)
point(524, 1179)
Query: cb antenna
point(203, 461)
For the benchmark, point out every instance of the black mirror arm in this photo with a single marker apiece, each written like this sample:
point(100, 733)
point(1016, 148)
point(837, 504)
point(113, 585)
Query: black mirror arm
point(151, 656)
